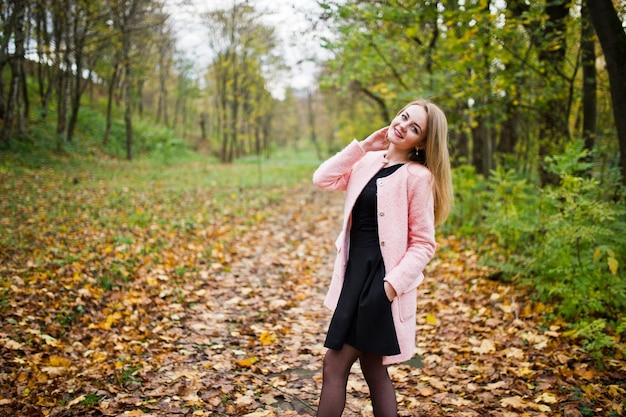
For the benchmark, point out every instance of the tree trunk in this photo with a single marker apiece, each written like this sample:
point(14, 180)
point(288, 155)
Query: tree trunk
point(11, 107)
point(62, 36)
point(554, 127)
point(482, 151)
point(44, 71)
point(318, 151)
point(2, 97)
point(24, 107)
point(224, 123)
point(162, 101)
point(203, 122)
point(76, 86)
point(509, 132)
point(111, 89)
point(128, 19)
point(612, 37)
point(482, 134)
point(588, 57)
point(16, 71)
point(140, 85)
point(549, 38)
point(128, 101)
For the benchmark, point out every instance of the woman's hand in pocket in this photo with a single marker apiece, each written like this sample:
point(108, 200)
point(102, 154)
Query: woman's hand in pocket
point(389, 291)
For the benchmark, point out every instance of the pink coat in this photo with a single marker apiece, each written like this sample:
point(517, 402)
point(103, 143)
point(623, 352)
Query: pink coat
point(405, 227)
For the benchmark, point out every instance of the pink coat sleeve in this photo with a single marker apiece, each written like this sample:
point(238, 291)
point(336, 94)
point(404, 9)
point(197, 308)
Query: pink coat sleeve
point(334, 173)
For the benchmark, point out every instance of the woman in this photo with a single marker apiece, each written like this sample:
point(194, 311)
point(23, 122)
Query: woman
point(398, 187)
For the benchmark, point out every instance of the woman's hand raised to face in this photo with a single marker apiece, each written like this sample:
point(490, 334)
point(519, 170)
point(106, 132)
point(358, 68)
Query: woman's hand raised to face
point(377, 141)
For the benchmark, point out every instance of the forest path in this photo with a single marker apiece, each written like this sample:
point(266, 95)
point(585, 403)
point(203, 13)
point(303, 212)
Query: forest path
point(242, 335)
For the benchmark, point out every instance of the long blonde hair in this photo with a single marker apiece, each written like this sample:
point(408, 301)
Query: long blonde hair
point(437, 157)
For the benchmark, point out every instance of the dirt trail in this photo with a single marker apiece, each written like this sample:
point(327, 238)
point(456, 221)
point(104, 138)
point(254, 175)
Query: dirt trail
point(243, 337)
point(482, 348)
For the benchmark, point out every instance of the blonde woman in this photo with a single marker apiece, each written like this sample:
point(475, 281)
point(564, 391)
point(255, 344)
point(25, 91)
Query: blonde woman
point(398, 188)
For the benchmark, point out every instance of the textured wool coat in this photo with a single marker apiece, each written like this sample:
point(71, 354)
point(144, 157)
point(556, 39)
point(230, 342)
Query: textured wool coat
point(406, 230)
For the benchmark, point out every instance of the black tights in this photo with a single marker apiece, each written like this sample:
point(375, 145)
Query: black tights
point(337, 364)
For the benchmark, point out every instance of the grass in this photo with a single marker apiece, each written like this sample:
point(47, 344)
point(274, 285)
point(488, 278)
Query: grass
point(86, 199)
point(72, 194)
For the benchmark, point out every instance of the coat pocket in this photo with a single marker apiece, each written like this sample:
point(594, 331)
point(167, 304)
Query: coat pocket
point(407, 305)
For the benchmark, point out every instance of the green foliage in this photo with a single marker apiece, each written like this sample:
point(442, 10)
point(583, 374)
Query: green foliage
point(597, 336)
point(564, 242)
point(92, 399)
point(470, 192)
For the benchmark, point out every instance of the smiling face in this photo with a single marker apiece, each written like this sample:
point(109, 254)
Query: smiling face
point(408, 129)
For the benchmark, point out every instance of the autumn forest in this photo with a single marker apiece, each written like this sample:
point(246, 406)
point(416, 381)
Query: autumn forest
point(163, 251)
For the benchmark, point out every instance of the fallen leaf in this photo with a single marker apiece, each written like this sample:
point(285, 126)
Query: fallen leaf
point(486, 346)
point(516, 402)
point(547, 398)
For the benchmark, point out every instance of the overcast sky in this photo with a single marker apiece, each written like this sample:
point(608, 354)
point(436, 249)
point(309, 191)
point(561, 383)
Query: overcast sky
point(289, 17)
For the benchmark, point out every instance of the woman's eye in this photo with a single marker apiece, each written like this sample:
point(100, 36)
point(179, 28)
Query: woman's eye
point(404, 117)
point(414, 129)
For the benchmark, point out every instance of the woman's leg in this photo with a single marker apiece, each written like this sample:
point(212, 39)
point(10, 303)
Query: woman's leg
point(337, 364)
point(382, 392)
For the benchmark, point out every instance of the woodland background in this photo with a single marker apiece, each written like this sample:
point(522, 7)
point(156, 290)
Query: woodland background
point(156, 215)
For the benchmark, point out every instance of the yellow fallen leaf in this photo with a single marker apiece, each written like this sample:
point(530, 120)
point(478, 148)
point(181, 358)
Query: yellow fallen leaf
point(265, 413)
point(267, 339)
point(496, 385)
point(430, 319)
point(486, 346)
point(51, 341)
point(75, 401)
point(247, 362)
point(547, 398)
point(244, 400)
point(59, 361)
point(99, 356)
point(138, 413)
point(543, 408)
point(616, 391)
point(515, 353)
point(460, 402)
point(514, 402)
point(525, 371)
point(111, 319)
point(10, 344)
point(54, 370)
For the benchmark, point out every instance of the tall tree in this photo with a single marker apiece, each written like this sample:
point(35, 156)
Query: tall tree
point(482, 126)
point(84, 18)
point(134, 21)
point(43, 41)
point(165, 50)
point(128, 17)
point(243, 47)
point(546, 25)
point(14, 29)
point(612, 37)
point(62, 61)
point(588, 58)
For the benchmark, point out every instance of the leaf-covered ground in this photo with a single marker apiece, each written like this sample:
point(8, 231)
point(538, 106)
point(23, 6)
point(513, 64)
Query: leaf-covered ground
point(155, 301)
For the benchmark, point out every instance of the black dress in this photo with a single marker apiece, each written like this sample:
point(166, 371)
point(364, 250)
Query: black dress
point(363, 317)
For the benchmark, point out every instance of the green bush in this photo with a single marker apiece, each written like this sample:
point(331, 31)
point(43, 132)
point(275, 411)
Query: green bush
point(565, 242)
point(467, 216)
